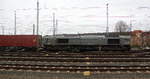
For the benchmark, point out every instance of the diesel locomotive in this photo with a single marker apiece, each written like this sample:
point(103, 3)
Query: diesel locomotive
point(86, 42)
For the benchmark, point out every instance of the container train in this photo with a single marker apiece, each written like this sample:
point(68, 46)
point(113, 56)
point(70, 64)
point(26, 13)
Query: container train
point(64, 42)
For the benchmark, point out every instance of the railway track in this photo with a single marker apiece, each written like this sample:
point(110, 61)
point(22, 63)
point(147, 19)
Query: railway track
point(78, 56)
point(74, 53)
point(74, 68)
point(77, 59)
point(68, 58)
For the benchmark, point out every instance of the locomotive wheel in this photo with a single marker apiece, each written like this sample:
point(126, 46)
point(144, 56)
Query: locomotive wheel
point(75, 50)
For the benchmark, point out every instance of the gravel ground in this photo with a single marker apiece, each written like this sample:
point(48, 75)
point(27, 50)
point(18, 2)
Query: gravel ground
point(72, 75)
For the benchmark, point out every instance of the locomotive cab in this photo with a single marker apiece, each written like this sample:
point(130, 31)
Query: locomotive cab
point(116, 42)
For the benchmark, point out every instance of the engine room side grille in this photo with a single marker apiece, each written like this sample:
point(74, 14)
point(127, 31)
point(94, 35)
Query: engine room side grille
point(62, 40)
point(113, 41)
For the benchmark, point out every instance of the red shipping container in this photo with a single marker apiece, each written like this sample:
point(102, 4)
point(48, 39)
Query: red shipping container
point(20, 40)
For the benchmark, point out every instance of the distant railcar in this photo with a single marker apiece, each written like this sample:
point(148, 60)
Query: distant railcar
point(136, 40)
point(20, 41)
point(146, 39)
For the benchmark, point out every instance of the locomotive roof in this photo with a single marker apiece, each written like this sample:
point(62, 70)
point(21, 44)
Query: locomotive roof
point(77, 36)
point(86, 36)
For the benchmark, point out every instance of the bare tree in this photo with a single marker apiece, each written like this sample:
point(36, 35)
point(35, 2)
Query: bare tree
point(121, 26)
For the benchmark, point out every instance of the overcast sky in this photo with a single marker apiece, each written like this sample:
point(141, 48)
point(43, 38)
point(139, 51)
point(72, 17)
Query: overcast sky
point(74, 16)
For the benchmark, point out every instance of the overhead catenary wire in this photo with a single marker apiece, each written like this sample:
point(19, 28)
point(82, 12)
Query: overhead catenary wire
point(44, 18)
point(3, 28)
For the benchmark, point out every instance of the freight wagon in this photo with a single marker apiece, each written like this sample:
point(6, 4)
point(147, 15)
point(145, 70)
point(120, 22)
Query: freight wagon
point(140, 39)
point(19, 42)
point(136, 40)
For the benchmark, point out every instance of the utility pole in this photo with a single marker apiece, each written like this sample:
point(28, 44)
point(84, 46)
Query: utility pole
point(2, 29)
point(56, 28)
point(131, 21)
point(15, 30)
point(107, 27)
point(37, 30)
point(37, 17)
point(54, 24)
point(130, 25)
point(33, 29)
